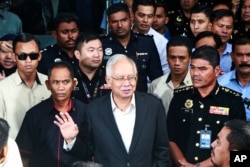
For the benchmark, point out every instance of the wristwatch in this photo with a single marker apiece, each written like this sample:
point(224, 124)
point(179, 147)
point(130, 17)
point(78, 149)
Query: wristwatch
point(198, 165)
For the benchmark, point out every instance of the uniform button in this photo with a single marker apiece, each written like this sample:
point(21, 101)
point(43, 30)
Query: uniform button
point(197, 144)
point(128, 164)
point(198, 132)
point(200, 119)
point(196, 158)
point(126, 51)
point(218, 122)
point(183, 120)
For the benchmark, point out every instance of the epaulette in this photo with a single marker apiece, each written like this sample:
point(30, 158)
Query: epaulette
point(183, 89)
point(46, 48)
point(230, 91)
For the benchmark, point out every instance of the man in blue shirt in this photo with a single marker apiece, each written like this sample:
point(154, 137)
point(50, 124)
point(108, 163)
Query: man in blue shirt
point(239, 79)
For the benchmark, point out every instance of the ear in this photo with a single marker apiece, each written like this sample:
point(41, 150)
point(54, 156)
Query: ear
point(53, 33)
point(75, 82)
point(232, 56)
point(47, 84)
point(40, 56)
point(77, 54)
point(166, 20)
point(209, 26)
point(217, 71)
point(108, 80)
point(3, 154)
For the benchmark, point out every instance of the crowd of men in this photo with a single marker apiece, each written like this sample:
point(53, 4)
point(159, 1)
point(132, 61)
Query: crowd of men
point(161, 86)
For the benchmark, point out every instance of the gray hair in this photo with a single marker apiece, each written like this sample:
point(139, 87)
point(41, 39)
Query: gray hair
point(114, 59)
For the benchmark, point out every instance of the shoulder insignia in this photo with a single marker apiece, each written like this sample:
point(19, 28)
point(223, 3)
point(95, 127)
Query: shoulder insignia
point(230, 91)
point(183, 89)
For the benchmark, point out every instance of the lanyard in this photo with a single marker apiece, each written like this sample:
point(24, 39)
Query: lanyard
point(95, 89)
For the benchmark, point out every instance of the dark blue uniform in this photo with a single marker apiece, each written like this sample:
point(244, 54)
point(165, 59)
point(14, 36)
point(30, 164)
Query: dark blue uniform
point(40, 140)
point(87, 90)
point(189, 113)
point(53, 54)
point(141, 48)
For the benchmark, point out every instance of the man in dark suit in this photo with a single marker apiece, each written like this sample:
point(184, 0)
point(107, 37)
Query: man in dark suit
point(128, 128)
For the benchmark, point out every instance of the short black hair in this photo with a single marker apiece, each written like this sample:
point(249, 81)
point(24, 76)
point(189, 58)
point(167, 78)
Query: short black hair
point(218, 14)
point(227, 3)
point(65, 17)
point(25, 37)
point(180, 41)
point(136, 3)
point(4, 133)
point(61, 64)
point(204, 34)
point(240, 40)
point(202, 8)
point(86, 36)
point(239, 137)
point(163, 5)
point(118, 7)
point(208, 53)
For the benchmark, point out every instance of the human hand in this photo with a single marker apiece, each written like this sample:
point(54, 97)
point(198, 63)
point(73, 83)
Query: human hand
point(6, 46)
point(2, 75)
point(186, 164)
point(68, 128)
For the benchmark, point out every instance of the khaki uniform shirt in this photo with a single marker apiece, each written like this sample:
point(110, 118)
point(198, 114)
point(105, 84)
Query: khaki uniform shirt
point(16, 98)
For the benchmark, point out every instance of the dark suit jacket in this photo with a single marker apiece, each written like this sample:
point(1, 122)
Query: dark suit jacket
point(149, 146)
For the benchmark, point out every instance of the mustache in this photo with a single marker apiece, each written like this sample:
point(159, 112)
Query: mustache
point(244, 65)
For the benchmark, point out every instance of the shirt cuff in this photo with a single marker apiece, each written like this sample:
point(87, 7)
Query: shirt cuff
point(69, 146)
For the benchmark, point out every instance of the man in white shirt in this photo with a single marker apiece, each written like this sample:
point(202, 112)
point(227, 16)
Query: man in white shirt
point(25, 87)
point(128, 128)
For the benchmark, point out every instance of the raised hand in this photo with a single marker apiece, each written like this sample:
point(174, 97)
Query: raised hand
point(68, 128)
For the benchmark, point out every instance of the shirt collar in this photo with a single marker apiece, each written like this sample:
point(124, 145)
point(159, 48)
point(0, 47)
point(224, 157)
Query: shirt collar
point(214, 92)
point(114, 107)
point(185, 82)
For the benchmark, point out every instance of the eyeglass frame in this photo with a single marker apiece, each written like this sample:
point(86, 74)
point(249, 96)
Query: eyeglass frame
point(129, 78)
point(25, 55)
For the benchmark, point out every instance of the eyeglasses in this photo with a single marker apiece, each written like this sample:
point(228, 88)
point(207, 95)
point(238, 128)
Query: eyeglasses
point(23, 56)
point(130, 78)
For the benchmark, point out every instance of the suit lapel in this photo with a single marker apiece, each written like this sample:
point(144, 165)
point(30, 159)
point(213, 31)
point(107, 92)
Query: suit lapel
point(111, 123)
point(141, 110)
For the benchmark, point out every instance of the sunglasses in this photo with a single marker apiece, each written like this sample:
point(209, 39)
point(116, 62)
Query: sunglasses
point(23, 56)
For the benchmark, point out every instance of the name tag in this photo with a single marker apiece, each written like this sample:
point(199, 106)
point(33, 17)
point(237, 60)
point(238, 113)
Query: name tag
point(219, 110)
point(205, 139)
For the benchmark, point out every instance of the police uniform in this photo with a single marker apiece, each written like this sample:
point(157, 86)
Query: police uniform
point(178, 24)
point(87, 90)
point(52, 54)
point(190, 114)
point(141, 48)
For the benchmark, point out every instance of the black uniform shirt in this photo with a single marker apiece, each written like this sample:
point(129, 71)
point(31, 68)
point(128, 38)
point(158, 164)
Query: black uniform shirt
point(53, 54)
point(141, 48)
point(189, 113)
point(87, 90)
point(40, 140)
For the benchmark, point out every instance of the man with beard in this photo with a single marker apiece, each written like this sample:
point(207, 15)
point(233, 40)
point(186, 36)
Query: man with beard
point(139, 47)
point(66, 30)
point(239, 79)
point(234, 136)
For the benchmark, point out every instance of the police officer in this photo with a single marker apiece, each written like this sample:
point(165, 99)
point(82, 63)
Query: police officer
point(179, 19)
point(65, 31)
point(141, 48)
point(197, 113)
point(90, 72)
